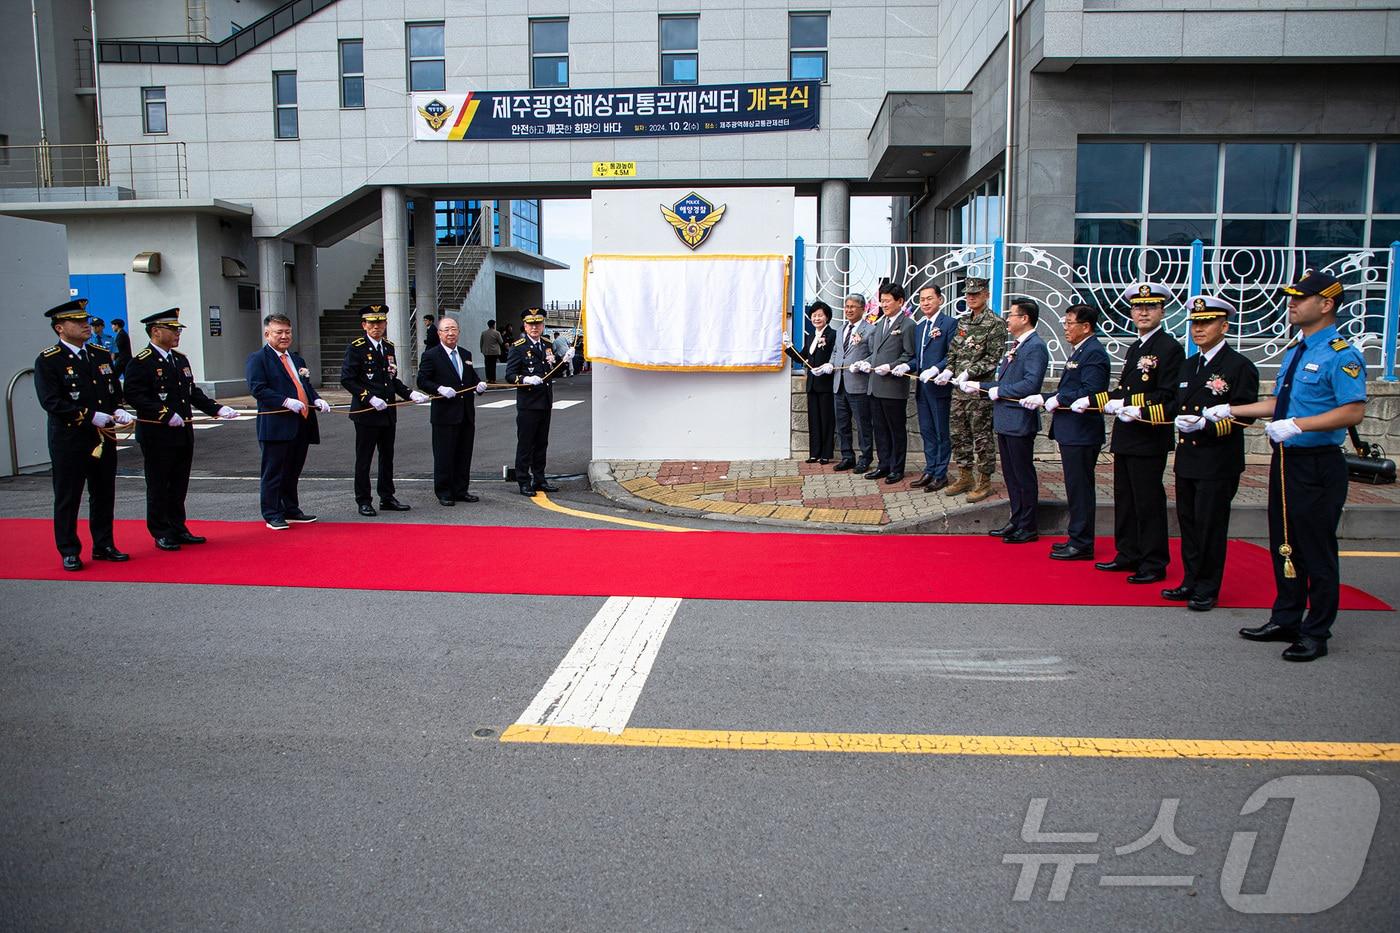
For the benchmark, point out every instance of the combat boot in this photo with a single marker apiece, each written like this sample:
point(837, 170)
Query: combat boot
point(960, 485)
point(982, 489)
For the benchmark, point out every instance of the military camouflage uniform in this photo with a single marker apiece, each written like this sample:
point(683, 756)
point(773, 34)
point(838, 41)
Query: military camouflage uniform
point(977, 347)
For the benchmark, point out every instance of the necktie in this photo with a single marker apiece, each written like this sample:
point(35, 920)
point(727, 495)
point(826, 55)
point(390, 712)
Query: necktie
point(292, 374)
point(456, 363)
point(1284, 393)
point(846, 337)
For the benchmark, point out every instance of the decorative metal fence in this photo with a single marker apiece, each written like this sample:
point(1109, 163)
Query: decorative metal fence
point(1059, 275)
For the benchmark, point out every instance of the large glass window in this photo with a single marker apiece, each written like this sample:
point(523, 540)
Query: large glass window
point(1332, 178)
point(525, 224)
point(352, 74)
point(1109, 178)
point(153, 110)
point(978, 218)
point(680, 49)
point(427, 63)
point(1183, 178)
point(1258, 178)
point(549, 53)
point(807, 46)
point(1386, 199)
point(284, 90)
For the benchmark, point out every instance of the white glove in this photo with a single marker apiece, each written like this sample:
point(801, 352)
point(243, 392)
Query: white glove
point(1188, 424)
point(480, 388)
point(861, 366)
point(123, 417)
point(1128, 413)
point(569, 354)
point(1114, 406)
point(1052, 403)
point(928, 374)
point(1280, 431)
point(969, 386)
point(533, 381)
point(901, 370)
point(100, 419)
point(1217, 413)
point(375, 402)
point(294, 405)
point(883, 369)
point(447, 392)
point(176, 421)
point(226, 413)
point(961, 377)
point(418, 397)
point(1032, 402)
point(825, 369)
point(1080, 405)
point(994, 393)
point(944, 377)
point(323, 406)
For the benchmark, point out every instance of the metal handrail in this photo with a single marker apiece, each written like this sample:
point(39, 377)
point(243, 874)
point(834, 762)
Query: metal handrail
point(156, 169)
point(10, 418)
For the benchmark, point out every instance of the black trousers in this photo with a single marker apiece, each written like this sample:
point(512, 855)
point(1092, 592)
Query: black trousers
point(491, 362)
point(452, 458)
point(891, 432)
point(1315, 482)
point(1079, 461)
point(74, 467)
point(1140, 510)
point(368, 439)
point(1203, 512)
point(281, 470)
point(531, 442)
point(1022, 486)
point(821, 424)
point(167, 482)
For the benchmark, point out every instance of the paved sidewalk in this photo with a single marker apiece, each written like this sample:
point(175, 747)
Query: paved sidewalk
point(792, 492)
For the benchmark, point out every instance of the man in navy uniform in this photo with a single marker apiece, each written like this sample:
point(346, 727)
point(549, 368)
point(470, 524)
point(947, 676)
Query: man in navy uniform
point(931, 338)
point(1019, 377)
point(1209, 455)
point(891, 353)
point(370, 373)
point(160, 386)
point(77, 385)
point(531, 366)
point(1321, 393)
point(447, 372)
point(1144, 404)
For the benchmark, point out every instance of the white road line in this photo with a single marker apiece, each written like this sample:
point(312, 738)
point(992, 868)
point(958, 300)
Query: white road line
point(503, 403)
point(567, 403)
point(599, 681)
point(204, 427)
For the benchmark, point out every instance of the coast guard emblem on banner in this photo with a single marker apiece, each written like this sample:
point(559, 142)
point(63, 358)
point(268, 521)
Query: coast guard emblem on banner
point(693, 217)
point(436, 113)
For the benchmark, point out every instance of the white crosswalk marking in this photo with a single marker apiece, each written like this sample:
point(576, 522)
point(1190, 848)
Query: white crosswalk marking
point(510, 402)
point(503, 403)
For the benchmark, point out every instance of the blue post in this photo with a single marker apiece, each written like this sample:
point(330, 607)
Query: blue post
point(1198, 278)
point(998, 274)
point(1390, 333)
point(799, 298)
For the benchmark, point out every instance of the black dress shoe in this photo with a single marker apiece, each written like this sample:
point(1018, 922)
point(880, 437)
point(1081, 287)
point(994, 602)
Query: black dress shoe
point(393, 505)
point(893, 478)
point(186, 537)
point(937, 484)
point(811, 459)
point(545, 486)
point(367, 510)
point(1021, 537)
point(1001, 532)
point(921, 482)
point(444, 501)
point(877, 474)
point(1201, 603)
point(1147, 576)
point(109, 553)
point(861, 466)
point(1070, 553)
point(1060, 546)
point(72, 562)
point(1269, 631)
point(844, 465)
point(1305, 649)
point(1115, 565)
point(467, 497)
point(824, 461)
point(1178, 594)
point(527, 490)
point(167, 544)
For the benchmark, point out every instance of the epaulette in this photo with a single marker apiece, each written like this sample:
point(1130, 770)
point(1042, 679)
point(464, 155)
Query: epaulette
point(358, 342)
point(387, 343)
point(144, 353)
point(98, 348)
point(53, 350)
point(1339, 344)
point(518, 342)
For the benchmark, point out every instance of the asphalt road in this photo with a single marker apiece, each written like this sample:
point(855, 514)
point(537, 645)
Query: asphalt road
point(262, 758)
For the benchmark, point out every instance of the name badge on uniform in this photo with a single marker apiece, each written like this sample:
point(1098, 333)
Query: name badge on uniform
point(1071, 366)
point(104, 369)
point(1310, 367)
point(1181, 385)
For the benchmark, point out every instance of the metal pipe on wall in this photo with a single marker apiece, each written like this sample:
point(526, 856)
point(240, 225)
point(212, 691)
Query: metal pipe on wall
point(97, 98)
point(1009, 170)
point(45, 168)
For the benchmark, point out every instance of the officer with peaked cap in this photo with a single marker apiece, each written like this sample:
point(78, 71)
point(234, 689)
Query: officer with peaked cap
point(531, 366)
point(1320, 393)
point(77, 385)
point(1209, 455)
point(370, 373)
point(160, 386)
point(1146, 392)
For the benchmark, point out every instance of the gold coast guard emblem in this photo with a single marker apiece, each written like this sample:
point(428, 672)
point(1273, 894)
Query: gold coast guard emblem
point(436, 113)
point(693, 218)
point(1198, 305)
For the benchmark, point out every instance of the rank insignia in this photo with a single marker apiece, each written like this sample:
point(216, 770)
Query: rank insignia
point(693, 218)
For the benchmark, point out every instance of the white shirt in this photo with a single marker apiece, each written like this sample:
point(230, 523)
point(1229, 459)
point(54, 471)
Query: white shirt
point(1148, 336)
point(1209, 355)
point(77, 350)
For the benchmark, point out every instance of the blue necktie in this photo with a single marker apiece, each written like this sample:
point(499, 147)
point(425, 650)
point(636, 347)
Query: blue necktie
point(1286, 392)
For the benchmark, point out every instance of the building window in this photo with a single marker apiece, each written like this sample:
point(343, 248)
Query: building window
point(352, 74)
point(549, 53)
point(284, 89)
point(153, 110)
point(977, 218)
point(427, 63)
point(525, 224)
point(680, 49)
point(807, 46)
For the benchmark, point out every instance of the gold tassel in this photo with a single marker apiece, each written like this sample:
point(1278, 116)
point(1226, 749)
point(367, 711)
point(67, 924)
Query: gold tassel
point(1286, 553)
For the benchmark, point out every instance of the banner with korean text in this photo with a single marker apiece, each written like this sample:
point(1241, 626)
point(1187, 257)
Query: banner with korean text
point(698, 313)
point(613, 113)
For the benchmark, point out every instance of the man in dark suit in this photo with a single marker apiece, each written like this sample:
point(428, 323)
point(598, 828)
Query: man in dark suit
point(891, 354)
point(446, 372)
point(370, 373)
point(931, 338)
point(1209, 455)
point(122, 341)
point(1078, 431)
point(1144, 404)
point(1015, 395)
point(821, 413)
point(281, 383)
point(531, 366)
point(851, 389)
point(160, 386)
point(77, 385)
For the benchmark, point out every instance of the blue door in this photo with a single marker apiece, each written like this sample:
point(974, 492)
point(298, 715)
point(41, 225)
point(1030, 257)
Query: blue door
point(106, 295)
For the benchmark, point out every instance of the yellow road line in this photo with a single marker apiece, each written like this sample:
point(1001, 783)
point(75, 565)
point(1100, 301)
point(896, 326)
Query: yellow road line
point(997, 745)
point(543, 501)
point(1368, 553)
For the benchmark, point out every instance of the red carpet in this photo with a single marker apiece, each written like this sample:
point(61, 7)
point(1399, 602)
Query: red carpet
point(568, 562)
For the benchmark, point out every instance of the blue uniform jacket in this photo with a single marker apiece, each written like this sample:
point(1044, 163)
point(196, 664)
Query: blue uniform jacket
point(1020, 373)
point(269, 383)
point(1332, 373)
point(931, 339)
point(1086, 374)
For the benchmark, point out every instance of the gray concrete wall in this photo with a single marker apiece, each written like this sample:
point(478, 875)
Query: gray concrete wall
point(222, 357)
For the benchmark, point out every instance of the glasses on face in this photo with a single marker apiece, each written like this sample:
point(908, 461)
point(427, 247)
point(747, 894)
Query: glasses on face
point(1070, 322)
